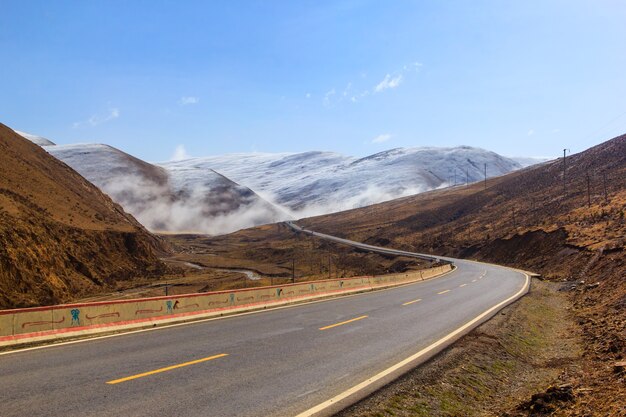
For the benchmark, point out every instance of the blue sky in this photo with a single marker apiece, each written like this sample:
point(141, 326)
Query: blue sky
point(522, 78)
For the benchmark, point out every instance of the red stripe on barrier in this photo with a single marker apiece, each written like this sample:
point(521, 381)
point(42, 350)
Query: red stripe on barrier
point(171, 297)
point(147, 320)
point(151, 319)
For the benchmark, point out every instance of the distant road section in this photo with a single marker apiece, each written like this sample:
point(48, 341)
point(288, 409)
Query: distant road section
point(307, 359)
point(366, 247)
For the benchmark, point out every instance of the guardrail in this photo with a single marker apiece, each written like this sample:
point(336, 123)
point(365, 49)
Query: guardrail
point(29, 325)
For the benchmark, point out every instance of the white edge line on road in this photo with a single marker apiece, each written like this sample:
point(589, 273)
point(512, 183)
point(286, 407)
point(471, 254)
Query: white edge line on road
point(166, 326)
point(399, 365)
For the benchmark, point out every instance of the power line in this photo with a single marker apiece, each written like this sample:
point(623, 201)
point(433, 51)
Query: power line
point(604, 126)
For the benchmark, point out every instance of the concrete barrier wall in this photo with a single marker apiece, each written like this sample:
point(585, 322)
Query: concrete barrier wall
point(43, 323)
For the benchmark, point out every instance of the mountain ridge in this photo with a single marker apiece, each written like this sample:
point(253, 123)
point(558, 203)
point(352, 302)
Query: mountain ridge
point(239, 190)
point(168, 200)
point(320, 182)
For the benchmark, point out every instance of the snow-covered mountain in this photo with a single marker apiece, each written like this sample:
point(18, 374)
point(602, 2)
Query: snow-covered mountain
point(38, 140)
point(526, 161)
point(172, 200)
point(190, 194)
point(322, 182)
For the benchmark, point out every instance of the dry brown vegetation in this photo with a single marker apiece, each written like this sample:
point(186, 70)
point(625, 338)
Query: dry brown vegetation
point(524, 219)
point(277, 255)
point(60, 237)
point(574, 235)
point(493, 370)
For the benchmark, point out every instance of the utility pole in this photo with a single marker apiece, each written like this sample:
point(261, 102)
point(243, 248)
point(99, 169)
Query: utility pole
point(564, 166)
point(485, 176)
point(454, 175)
point(293, 271)
point(588, 191)
point(466, 177)
point(514, 222)
point(329, 266)
point(606, 194)
point(311, 262)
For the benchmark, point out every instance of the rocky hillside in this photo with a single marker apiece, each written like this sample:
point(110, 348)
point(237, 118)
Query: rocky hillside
point(60, 236)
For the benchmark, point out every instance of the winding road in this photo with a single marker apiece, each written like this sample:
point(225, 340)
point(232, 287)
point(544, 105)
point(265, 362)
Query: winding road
point(305, 359)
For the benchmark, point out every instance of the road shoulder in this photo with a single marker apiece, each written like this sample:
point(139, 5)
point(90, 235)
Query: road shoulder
point(491, 371)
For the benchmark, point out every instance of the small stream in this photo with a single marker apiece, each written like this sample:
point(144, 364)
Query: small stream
point(251, 275)
point(194, 266)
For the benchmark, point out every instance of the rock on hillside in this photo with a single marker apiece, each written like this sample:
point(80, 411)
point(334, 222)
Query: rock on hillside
point(61, 237)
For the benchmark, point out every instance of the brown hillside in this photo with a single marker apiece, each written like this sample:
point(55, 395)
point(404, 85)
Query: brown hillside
point(522, 219)
point(574, 234)
point(60, 237)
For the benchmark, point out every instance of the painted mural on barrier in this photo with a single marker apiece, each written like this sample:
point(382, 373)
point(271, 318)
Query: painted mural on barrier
point(47, 322)
point(75, 316)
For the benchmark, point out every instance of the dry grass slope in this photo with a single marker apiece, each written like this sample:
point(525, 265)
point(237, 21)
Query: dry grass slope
point(60, 237)
point(572, 231)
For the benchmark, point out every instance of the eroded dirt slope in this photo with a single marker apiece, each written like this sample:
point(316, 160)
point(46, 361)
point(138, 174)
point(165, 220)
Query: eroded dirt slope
point(61, 237)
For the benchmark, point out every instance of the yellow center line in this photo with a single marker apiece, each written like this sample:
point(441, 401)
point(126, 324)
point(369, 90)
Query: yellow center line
point(411, 302)
point(473, 280)
point(342, 323)
point(443, 292)
point(462, 285)
point(168, 368)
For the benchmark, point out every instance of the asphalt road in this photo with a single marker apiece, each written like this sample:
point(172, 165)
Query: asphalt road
point(276, 362)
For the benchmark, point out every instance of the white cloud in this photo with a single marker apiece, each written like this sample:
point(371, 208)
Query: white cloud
point(180, 153)
point(196, 207)
point(96, 120)
point(308, 95)
point(187, 100)
point(381, 138)
point(388, 82)
point(391, 80)
point(346, 90)
point(415, 66)
point(328, 96)
point(359, 96)
point(531, 132)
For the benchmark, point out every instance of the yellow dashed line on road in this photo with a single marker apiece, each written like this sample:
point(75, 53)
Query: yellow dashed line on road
point(462, 285)
point(443, 292)
point(411, 302)
point(342, 323)
point(167, 368)
point(474, 280)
